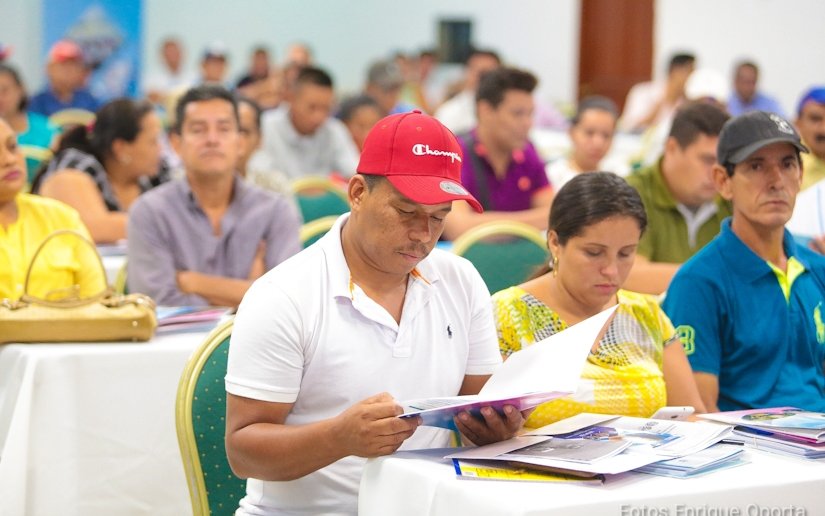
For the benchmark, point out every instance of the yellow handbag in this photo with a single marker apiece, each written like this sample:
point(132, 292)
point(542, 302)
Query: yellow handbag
point(102, 317)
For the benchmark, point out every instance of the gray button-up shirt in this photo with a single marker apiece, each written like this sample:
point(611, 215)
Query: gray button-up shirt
point(169, 232)
point(283, 149)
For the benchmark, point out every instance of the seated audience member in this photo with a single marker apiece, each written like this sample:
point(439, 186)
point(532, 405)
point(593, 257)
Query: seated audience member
point(359, 114)
point(298, 56)
point(202, 239)
point(459, 112)
point(746, 97)
point(591, 134)
point(369, 315)
point(259, 67)
point(66, 267)
point(171, 77)
point(32, 129)
point(807, 224)
point(249, 136)
point(66, 89)
point(499, 164)
point(302, 139)
point(683, 208)
point(648, 103)
point(810, 121)
point(384, 83)
point(214, 64)
point(100, 171)
point(749, 305)
point(639, 366)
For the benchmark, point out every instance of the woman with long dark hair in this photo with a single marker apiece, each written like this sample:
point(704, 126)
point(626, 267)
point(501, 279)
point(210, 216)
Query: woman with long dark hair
point(100, 170)
point(639, 366)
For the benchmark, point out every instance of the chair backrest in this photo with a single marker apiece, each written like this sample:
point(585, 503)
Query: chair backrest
point(35, 156)
point(505, 253)
point(71, 117)
point(200, 418)
point(319, 197)
point(312, 231)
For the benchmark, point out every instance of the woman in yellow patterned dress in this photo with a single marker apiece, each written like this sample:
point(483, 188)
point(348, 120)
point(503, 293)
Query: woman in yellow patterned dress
point(639, 366)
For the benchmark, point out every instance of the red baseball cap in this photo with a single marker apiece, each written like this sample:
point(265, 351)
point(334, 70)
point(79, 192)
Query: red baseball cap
point(65, 50)
point(419, 156)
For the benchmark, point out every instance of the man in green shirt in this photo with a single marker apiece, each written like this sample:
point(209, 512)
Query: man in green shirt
point(684, 210)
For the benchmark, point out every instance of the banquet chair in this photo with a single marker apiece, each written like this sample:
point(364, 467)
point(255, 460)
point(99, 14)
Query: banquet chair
point(66, 118)
point(505, 253)
point(319, 197)
point(200, 419)
point(312, 231)
point(35, 156)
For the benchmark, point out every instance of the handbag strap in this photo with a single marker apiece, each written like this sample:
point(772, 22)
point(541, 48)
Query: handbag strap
point(66, 303)
point(483, 193)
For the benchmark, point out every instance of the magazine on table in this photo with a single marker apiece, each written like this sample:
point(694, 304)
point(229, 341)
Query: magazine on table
point(713, 458)
point(779, 443)
point(496, 470)
point(791, 421)
point(190, 318)
point(612, 445)
point(544, 371)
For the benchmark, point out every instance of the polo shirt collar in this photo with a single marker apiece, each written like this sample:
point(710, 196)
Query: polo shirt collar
point(517, 156)
point(339, 276)
point(749, 266)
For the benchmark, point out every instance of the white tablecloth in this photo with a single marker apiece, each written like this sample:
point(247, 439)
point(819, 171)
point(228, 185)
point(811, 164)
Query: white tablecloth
point(88, 429)
point(415, 487)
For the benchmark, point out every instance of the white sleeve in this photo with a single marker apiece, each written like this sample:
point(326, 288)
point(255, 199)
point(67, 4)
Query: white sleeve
point(266, 352)
point(484, 356)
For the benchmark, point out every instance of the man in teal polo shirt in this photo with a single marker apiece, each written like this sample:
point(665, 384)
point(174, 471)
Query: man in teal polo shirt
point(749, 305)
point(684, 211)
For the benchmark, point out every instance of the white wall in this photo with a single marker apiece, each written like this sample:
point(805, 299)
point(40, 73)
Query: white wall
point(784, 37)
point(347, 36)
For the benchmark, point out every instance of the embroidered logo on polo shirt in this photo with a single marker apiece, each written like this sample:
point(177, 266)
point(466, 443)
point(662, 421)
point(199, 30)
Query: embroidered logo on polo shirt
point(452, 188)
point(820, 325)
point(420, 149)
point(688, 337)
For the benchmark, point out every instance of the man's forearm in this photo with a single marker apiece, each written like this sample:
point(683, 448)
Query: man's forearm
point(217, 290)
point(650, 277)
point(268, 451)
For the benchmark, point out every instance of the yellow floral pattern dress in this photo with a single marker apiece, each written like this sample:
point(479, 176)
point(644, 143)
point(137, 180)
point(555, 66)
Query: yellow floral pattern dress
point(622, 376)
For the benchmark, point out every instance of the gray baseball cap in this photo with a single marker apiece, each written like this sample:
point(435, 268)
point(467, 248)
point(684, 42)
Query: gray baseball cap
point(745, 134)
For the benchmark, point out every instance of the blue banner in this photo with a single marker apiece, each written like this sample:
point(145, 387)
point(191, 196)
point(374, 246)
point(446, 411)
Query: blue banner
point(109, 33)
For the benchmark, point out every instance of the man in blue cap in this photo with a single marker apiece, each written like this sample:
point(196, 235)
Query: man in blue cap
point(749, 305)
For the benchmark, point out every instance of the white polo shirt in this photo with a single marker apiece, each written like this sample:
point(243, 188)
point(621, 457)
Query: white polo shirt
point(306, 334)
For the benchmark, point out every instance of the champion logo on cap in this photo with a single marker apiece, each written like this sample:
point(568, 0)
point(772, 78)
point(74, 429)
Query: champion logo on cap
point(420, 149)
point(452, 188)
point(781, 124)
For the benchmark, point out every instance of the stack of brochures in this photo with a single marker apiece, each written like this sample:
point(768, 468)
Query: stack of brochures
point(714, 458)
point(599, 444)
point(189, 318)
point(786, 430)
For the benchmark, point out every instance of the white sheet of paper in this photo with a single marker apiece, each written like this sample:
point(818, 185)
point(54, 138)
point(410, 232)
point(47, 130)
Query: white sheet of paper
point(553, 364)
point(546, 370)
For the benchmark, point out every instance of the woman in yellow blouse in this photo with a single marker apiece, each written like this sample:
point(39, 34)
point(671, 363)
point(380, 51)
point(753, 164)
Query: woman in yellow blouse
point(639, 366)
point(66, 267)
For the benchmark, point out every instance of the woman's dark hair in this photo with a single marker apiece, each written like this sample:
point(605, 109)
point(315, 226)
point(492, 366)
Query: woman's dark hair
point(15, 76)
point(119, 119)
point(590, 198)
point(596, 102)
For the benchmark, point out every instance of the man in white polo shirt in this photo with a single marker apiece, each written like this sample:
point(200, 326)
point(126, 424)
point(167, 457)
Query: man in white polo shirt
point(325, 343)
